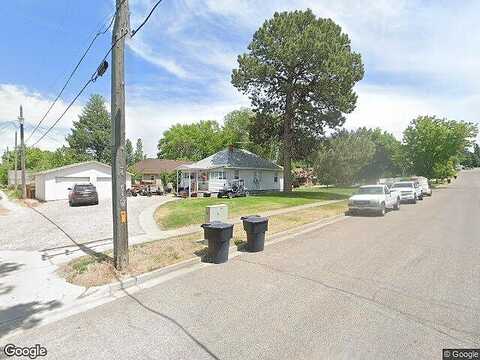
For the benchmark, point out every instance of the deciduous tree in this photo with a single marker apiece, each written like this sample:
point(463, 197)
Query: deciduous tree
point(433, 145)
point(341, 158)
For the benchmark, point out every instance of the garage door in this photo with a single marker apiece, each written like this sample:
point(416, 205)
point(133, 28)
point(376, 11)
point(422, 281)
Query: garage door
point(59, 190)
point(104, 187)
point(72, 179)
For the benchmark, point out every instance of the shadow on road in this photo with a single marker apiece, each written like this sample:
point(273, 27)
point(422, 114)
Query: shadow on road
point(23, 315)
point(19, 315)
point(173, 321)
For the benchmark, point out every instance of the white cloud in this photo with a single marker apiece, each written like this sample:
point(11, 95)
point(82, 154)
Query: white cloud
point(148, 119)
point(392, 108)
point(34, 107)
point(145, 51)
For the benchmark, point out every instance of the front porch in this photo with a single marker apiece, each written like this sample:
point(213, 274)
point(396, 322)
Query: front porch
point(193, 180)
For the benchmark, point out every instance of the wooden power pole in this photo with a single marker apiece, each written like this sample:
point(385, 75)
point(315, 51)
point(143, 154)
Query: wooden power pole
point(16, 162)
point(121, 29)
point(22, 154)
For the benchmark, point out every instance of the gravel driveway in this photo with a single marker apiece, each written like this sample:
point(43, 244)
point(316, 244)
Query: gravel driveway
point(53, 223)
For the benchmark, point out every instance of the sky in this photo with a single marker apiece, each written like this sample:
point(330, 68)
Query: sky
point(420, 58)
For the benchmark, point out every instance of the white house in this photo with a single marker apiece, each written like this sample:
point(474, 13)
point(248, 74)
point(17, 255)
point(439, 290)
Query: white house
point(216, 171)
point(53, 184)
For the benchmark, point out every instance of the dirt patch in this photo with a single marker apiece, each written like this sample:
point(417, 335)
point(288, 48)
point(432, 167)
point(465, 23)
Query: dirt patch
point(91, 271)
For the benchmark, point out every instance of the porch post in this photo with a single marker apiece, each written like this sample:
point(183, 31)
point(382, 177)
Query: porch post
point(196, 181)
point(189, 183)
point(176, 188)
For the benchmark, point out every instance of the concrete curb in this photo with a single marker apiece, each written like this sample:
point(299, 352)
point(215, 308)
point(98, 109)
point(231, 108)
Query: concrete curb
point(142, 278)
point(233, 252)
point(99, 295)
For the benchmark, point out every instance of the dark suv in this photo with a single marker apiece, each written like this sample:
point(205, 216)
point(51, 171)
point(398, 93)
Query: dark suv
point(83, 194)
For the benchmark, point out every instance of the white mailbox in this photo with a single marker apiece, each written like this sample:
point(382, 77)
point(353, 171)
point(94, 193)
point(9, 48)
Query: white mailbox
point(216, 213)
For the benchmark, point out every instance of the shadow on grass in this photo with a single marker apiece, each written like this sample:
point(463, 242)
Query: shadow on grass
point(309, 195)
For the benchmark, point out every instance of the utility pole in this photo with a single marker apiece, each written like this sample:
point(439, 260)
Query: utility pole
point(16, 161)
point(121, 29)
point(22, 154)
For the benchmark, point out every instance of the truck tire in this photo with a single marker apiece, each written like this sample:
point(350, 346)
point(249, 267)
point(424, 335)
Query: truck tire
point(397, 205)
point(382, 211)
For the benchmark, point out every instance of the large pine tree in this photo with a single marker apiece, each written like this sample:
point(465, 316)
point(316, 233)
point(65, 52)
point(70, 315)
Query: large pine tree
point(92, 134)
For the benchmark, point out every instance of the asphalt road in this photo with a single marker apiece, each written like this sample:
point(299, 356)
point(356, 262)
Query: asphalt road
point(400, 287)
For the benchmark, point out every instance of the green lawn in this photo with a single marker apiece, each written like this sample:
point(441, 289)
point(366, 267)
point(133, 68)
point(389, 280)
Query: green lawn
point(192, 211)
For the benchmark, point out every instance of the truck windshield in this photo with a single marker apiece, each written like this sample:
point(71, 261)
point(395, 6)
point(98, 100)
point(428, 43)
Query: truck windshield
point(371, 190)
point(403, 185)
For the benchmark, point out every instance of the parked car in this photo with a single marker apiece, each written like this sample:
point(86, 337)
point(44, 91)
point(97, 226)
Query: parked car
point(409, 191)
point(234, 188)
point(374, 198)
point(423, 181)
point(85, 194)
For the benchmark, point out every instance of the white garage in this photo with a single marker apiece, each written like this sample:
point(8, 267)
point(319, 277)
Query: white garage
point(53, 184)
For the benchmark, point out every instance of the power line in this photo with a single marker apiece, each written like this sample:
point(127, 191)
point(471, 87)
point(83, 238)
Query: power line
point(99, 33)
point(146, 19)
point(101, 69)
point(64, 112)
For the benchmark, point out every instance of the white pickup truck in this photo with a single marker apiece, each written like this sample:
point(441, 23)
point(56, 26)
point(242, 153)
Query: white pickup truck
point(409, 191)
point(374, 198)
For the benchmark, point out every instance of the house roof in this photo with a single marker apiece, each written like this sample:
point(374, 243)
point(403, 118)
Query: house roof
point(233, 158)
point(156, 166)
point(73, 166)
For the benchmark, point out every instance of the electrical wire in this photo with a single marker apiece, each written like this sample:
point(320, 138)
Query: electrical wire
point(95, 75)
point(99, 33)
point(64, 112)
point(146, 19)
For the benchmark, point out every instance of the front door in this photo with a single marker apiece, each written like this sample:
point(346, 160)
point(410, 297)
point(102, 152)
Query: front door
point(203, 181)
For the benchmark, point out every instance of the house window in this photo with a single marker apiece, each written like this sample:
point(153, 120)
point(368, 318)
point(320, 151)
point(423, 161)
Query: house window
point(218, 175)
point(152, 177)
point(275, 178)
point(236, 174)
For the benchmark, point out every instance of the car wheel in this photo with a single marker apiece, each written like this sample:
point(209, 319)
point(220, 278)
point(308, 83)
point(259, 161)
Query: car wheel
point(70, 203)
point(397, 205)
point(382, 211)
point(230, 195)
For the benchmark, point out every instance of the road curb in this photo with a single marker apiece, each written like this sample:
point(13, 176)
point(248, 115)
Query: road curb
point(99, 295)
point(142, 278)
point(233, 252)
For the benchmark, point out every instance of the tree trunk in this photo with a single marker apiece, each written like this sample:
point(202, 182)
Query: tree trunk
point(287, 147)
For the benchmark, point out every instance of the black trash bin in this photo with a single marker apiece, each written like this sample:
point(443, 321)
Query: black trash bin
point(218, 235)
point(255, 226)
